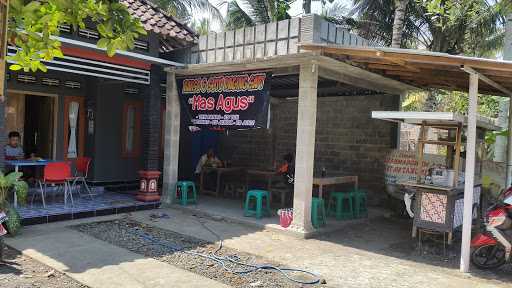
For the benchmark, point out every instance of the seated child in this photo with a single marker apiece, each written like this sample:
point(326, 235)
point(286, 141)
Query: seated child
point(13, 150)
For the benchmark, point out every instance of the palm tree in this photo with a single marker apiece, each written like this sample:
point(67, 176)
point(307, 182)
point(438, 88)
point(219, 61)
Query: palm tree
point(256, 12)
point(202, 26)
point(398, 22)
point(472, 27)
point(184, 9)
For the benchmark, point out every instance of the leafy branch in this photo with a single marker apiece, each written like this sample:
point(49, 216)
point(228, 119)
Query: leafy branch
point(33, 26)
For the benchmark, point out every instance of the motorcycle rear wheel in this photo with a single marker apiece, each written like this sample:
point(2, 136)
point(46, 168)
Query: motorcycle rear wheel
point(489, 256)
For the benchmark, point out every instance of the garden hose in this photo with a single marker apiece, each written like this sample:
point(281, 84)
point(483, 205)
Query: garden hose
point(224, 260)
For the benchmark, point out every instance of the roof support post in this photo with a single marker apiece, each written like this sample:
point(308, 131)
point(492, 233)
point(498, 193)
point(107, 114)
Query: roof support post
point(508, 180)
point(4, 10)
point(470, 173)
point(305, 148)
point(172, 140)
point(152, 121)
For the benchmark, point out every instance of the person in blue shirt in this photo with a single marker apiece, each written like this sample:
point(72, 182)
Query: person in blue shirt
point(13, 150)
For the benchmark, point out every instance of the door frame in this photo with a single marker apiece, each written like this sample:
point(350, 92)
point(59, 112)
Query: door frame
point(56, 109)
point(81, 125)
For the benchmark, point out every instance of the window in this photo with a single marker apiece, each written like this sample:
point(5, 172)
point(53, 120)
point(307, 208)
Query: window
point(132, 112)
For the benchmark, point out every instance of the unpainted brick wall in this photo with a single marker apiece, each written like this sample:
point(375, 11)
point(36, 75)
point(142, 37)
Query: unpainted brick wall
point(348, 141)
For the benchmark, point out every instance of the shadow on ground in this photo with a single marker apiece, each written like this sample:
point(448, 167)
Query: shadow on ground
point(392, 237)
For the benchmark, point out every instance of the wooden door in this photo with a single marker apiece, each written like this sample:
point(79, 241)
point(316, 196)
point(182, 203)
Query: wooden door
point(70, 103)
point(38, 126)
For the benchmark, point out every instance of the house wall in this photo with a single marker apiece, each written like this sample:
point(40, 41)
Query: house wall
point(108, 163)
point(106, 99)
point(348, 141)
point(15, 84)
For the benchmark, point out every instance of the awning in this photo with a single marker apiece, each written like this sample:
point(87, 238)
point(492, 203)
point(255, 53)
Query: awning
point(424, 69)
point(441, 118)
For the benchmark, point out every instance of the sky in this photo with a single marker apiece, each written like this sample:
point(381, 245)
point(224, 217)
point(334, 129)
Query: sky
point(316, 6)
point(295, 8)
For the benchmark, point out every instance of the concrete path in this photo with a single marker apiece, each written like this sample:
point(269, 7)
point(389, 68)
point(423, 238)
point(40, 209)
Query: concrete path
point(98, 264)
point(358, 260)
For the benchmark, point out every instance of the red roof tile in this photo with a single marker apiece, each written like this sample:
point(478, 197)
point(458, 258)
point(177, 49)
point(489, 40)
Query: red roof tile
point(155, 20)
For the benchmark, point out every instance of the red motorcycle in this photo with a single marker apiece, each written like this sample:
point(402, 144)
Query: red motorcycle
point(492, 248)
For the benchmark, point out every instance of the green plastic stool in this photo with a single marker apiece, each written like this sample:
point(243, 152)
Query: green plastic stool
point(360, 203)
point(318, 217)
point(183, 196)
point(259, 210)
point(341, 206)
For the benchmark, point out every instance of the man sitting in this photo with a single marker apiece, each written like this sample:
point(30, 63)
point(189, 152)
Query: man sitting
point(13, 150)
point(208, 160)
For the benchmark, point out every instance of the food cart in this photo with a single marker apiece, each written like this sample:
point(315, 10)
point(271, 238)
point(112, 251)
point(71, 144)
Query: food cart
point(439, 189)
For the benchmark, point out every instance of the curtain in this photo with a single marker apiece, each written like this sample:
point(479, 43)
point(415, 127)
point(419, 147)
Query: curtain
point(73, 119)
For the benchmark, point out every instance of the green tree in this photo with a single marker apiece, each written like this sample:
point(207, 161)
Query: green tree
point(186, 9)
point(256, 12)
point(398, 22)
point(202, 26)
point(33, 26)
point(470, 27)
point(450, 101)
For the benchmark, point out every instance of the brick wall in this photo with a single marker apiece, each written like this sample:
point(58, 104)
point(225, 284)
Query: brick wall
point(348, 141)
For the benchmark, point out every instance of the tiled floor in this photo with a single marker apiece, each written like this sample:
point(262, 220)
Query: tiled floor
point(105, 203)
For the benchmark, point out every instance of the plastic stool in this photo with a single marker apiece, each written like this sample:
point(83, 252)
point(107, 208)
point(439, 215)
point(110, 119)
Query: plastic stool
point(360, 203)
point(318, 217)
point(258, 211)
point(182, 193)
point(340, 205)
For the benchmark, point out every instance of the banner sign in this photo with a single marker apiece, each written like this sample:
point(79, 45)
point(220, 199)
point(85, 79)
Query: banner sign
point(229, 101)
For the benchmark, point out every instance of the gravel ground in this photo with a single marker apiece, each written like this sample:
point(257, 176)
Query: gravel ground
point(19, 271)
point(126, 233)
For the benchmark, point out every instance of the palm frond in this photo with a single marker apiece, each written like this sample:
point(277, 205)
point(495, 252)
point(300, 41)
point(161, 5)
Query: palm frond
point(236, 17)
point(184, 9)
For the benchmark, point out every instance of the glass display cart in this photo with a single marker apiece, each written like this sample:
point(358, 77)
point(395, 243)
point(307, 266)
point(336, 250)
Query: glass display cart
point(439, 190)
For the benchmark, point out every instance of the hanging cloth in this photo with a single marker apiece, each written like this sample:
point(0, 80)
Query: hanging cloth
point(73, 118)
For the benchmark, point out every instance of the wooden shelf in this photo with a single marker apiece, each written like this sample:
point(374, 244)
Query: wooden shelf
point(436, 142)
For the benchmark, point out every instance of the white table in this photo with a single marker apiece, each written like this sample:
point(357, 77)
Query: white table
point(24, 163)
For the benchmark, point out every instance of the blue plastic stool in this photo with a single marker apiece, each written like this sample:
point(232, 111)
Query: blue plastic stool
point(182, 192)
point(341, 205)
point(360, 198)
point(318, 217)
point(259, 210)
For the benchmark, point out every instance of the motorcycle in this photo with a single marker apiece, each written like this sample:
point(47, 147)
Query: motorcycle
point(492, 248)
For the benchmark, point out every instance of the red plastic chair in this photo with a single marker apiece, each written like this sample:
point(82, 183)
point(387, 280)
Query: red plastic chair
point(81, 171)
point(58, 174)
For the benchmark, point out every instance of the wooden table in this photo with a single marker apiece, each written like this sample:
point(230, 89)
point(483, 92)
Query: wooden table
point(219, 172)
point(324, 181)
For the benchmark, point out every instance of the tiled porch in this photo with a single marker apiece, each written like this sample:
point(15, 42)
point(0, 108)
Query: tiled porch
point(104, 203)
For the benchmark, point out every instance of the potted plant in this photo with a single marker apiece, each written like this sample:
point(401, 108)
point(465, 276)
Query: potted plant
point(8, 183)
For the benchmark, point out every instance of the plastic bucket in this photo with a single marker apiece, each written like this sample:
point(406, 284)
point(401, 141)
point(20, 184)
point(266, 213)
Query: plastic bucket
point(285, 217)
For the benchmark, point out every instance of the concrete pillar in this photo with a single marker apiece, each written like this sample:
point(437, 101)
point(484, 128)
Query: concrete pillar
point(305, 149)
point(500, 147)
point(470, 173)
point(172, 140)
point(507, 55)
point(151, 124)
